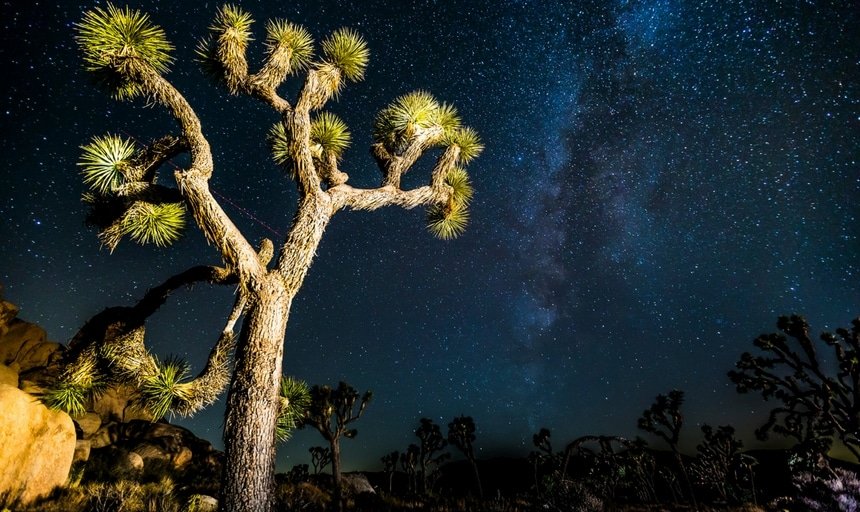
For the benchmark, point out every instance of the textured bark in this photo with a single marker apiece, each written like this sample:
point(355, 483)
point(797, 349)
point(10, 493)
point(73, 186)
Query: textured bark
point(252, 404)
point(335, 472)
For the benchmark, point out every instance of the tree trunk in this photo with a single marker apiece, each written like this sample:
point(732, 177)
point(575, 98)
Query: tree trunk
point(477, 477)
point(252, 404)
point(336, 476)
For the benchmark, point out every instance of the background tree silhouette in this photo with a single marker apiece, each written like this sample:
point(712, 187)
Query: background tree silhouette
point(820, 397)
point(431, 442)
point(664, 420)
point(320, 458)
point(409, 464)
point(331, 411)
point(389, 463)
point(543, 458)
point(717, 458)
point(461, 433)
point(130, 56)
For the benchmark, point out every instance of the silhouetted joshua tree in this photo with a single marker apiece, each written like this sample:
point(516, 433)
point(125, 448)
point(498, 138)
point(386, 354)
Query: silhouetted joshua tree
point(431, 442)
point(409, 463)
point(461, 433)
point(129, 198)
point(608, 459)
point(820, 397)
point(331, 411)
point(664, 420)
point(320, 458)
point(389, 463)
point(717, 459)
point(543, 457)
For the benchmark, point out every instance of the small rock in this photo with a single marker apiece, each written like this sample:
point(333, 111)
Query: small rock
point(89, 424)
point(105, 436)
point(8, 376)
point(357, 483)
point(183, 457)
point(130, 461)
point(202, 503)
point(82, 450)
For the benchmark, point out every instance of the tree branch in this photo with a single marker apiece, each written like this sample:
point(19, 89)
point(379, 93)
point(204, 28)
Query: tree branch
point(194, 181)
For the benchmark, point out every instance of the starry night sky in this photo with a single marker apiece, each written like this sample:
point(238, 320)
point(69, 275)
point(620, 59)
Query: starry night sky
point(661, 180)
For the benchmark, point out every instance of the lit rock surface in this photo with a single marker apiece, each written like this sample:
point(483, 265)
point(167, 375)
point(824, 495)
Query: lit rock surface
point(36, 446)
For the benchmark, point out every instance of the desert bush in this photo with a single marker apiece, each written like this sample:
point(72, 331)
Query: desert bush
point(302, 496)
point(840, 492)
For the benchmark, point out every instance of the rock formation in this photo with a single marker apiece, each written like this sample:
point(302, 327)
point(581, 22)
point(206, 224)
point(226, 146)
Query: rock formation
point(36, 446)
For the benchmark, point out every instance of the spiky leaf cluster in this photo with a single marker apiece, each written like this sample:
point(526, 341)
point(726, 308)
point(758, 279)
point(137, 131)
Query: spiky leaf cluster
point(149, 223)
point(280, 144)
point(109, 37)
point(159, 391)
point(449, 220)
point(233, 22)
point(75, 386)
point(108, 166)
point(412, 115)
point(103, 161)
point(283, 34)
point(69, 398)
point(347, 51)
point(462, 191)
point(207, 56)
point(467, 140)
point(330, 133)
point(295, 399)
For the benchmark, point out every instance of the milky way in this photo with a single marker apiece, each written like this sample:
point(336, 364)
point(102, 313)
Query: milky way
point(661, 180)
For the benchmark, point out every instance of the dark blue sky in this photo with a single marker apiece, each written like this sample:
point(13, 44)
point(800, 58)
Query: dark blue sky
point(661, 180)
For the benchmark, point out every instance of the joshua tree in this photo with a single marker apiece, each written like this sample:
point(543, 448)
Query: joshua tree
point(432, 442)
point(331, 412)
point(130, 56)
point(461, 433)
point(320, 458)
point(820, 397)
point(718, 454)
point(664, 420)
point(409, 463)
point(544, 455)
point(389, 462)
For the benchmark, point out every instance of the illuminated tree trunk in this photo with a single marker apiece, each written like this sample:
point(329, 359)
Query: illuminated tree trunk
point(252, 404)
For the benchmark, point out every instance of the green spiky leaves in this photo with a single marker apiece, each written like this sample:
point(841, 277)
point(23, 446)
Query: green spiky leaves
point(412, 115)
point(160, 390)
point(68, 398)
point(77, 384)
point(280, 144)
point(462, 191)
point(110, 37)
point(295, 399)
point(468, 141)
point(449, 221)
point(108, 167)
point(346, 50)
point(281, 34)
point(103, 161)
point(150, 223)
point(233, 22)
point(330, 133)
